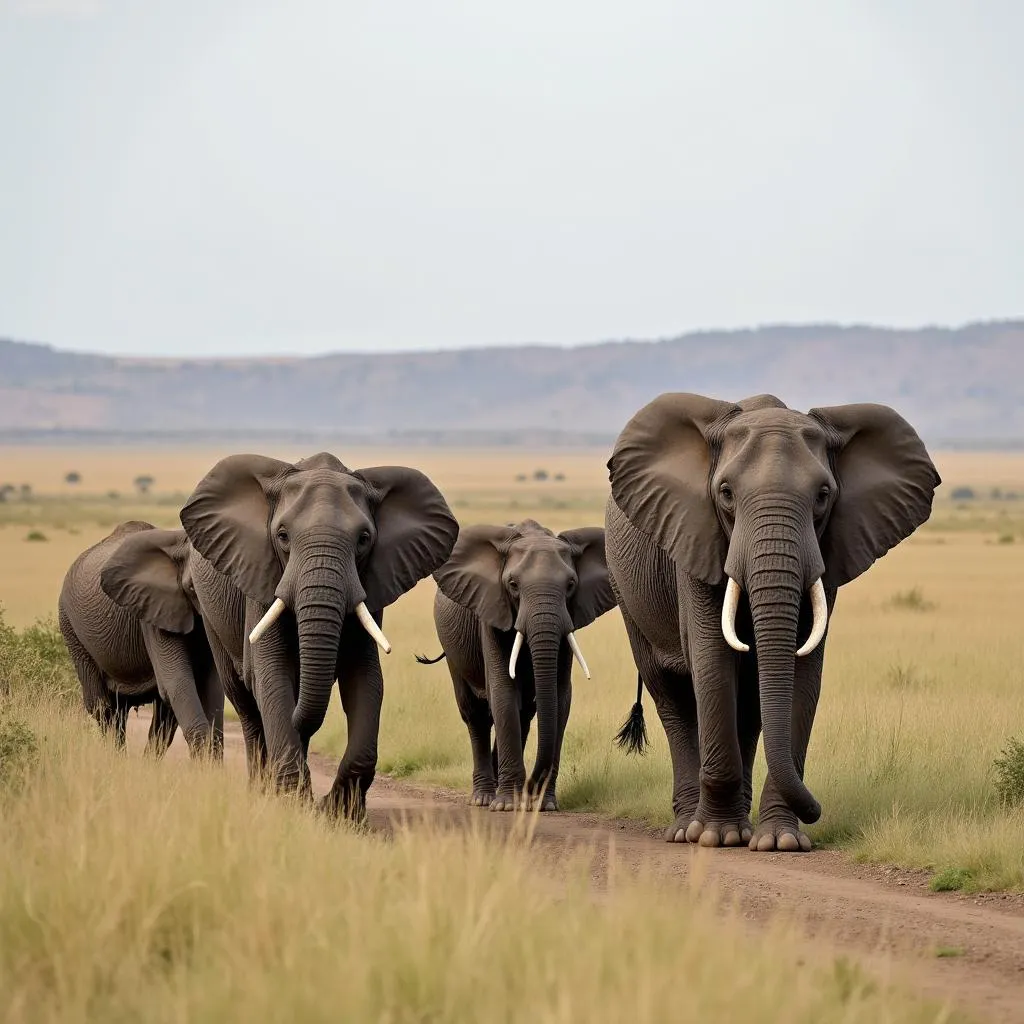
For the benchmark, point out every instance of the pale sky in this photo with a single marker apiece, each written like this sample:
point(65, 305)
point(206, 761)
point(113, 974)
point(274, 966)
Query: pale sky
point(228, 177)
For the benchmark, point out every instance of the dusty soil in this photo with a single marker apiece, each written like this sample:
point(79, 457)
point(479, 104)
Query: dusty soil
point(886, 917)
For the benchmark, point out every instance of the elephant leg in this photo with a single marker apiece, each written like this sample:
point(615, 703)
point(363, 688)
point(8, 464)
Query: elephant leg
point(672, 693)
point(748, 723)
point(721, 818)
point(211, 696)
point(162, 727)
point(778, 828)
point(506, 706)
point(244, 703)
point(176, 684)
point(477, 717)
point(361, 685)
point(274, 686)
point(119, 723)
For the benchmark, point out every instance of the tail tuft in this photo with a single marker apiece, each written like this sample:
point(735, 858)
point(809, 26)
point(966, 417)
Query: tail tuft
point(424, 660)
point(632, 737)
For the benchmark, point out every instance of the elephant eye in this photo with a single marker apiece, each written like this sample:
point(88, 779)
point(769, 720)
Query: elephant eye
point(571, 587)
point(364, 540)
point(513, 584)
point(823, 495)
point(282, 535)
point(726, 492)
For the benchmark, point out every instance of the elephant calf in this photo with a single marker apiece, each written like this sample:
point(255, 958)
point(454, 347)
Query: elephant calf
point(128, 615)
point(508, 601)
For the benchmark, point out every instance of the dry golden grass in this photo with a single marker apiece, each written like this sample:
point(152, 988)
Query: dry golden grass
point(924, 677)
point(132, 889)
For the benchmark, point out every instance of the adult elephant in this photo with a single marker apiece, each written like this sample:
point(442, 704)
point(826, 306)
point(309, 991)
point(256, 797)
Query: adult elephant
point(730, 528)
point(508, 603)
point(294, 565)
point(129, 617)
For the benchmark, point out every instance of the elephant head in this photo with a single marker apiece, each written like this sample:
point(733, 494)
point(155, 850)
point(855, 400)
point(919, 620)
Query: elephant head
point(779, 505)
point(148, 576)
point(546, 586)
point(320, 540)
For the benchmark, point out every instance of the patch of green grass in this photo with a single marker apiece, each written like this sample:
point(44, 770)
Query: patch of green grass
point(911, 600)
point(36, 536)
point(951, 880)
point(949, 952)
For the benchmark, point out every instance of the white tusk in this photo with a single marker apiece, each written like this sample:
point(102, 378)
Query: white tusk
point(371, 627)
point(574, 646)
point(273, 613)
point(819, 605)
point(729, 607)
point(517, 646)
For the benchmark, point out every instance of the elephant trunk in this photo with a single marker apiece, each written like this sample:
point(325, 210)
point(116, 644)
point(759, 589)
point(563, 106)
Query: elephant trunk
point(546, 630)
point(321, 601)
point(775, 579)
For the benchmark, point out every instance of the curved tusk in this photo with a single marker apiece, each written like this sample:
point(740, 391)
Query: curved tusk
point(517, 646)
point(729, 607)
point(371, 627)
point(273, 613)
point(574, 646)
point(819, 605)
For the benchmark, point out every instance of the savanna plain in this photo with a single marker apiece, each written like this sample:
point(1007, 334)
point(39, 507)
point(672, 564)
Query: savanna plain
point(166, 890)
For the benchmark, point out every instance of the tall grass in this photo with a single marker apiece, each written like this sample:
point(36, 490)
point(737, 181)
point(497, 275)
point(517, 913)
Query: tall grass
point(134, 889)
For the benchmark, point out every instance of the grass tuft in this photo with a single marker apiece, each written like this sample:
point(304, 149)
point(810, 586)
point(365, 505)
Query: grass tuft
point(1009, 773)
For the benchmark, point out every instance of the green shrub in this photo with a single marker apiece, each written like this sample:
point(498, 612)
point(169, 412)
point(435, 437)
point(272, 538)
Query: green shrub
point(19, 751)
point(36, 661)
point(1009, 771)
point(36, 535)
point(911, 600)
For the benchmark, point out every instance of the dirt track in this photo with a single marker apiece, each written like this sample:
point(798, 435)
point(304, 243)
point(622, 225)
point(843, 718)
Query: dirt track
point(888, 918)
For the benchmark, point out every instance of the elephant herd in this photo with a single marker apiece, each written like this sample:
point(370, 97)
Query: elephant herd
point(728, 531)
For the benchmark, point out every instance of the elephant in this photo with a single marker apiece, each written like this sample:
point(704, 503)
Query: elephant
point(293, 566)
point(508, 602)
point(730, 528)
point(130, 619)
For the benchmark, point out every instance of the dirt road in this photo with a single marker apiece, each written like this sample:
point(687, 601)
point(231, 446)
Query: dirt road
point(888, 918)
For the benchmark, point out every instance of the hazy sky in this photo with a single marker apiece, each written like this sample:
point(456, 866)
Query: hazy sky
point(213, 176)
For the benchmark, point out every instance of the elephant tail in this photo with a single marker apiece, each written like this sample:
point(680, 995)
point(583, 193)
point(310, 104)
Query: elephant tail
point(424, 660)
point(632, 737)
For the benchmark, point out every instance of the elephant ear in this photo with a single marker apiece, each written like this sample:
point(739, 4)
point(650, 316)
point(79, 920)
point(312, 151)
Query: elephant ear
point(886, 483)
point(593, 596)
point(227, 518)
point(415, 532)
point(660, 473)
point(143, 575)
point(472, 575)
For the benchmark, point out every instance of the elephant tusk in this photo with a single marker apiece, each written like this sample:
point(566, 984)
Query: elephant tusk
point(574, 646)
point(819, 606)
point(371, 627)
point(517, 646)
point(273, 613)
point(729, 607)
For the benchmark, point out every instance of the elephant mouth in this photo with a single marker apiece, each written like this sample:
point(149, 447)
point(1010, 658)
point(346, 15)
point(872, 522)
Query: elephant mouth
point(819, 607)
point(277, 609)
point(574, 646)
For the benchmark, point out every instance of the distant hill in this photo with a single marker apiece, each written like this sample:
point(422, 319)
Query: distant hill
point(964, 385)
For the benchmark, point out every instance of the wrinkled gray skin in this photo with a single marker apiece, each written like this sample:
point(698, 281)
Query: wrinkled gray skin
point(501, 579)
point(322, 538)
point(705, 490)
point(130, 619)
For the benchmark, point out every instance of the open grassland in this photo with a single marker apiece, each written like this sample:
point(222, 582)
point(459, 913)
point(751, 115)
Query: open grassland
point(132, 889)
point(924, 671)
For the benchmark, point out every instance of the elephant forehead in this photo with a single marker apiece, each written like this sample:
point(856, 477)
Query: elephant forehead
point(776, 428)
point(539, 551)
point(323, 486)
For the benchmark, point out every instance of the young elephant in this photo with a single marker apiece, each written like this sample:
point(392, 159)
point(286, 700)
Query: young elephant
point(294, 566)
point(129, 617)
point(507, 604)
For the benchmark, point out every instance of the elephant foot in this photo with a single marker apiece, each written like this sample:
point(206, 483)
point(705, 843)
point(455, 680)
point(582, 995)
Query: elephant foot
point(482, 797)
point(781, 834)
point(732, 828)
point(547, 802)
point(507, 800)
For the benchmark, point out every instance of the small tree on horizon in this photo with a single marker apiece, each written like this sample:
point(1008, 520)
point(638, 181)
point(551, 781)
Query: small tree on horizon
point(143, 483)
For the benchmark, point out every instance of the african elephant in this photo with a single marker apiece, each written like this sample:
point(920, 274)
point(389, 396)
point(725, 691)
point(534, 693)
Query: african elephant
point(730, 528)
point(130, 620)
point(508, 602)
point(293, 565)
